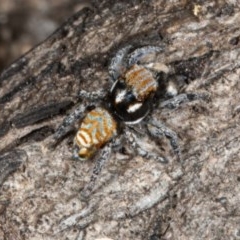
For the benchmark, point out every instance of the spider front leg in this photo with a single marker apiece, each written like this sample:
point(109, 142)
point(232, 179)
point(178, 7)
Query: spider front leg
point(137, 145)
point(176, 101)
point(92, 96)
point(118, 64)
point(157, 130)
point(102, 156)
point(141, 53)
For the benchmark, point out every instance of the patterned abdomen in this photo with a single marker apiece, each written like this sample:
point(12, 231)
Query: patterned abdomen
point(97, 128)
point(141, 80)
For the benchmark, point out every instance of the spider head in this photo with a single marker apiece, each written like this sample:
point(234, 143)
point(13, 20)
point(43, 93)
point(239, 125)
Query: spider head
point(132, 94)
point(125, 104)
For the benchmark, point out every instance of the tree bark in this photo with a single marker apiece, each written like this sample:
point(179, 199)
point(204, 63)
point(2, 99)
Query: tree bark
point(197, 198)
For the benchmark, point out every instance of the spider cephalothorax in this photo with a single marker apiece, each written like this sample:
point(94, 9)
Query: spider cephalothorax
point(135, 84)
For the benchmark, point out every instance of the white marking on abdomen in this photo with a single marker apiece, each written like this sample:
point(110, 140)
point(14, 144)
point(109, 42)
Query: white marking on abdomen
point(83, 138)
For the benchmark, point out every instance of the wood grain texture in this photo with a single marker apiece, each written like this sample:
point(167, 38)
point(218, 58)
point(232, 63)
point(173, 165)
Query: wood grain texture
point(198, 198)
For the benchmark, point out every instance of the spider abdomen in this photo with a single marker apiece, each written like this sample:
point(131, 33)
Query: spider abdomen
point(96, 129)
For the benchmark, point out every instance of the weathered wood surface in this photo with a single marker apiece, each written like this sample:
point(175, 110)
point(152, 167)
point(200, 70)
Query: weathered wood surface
point(138, 199)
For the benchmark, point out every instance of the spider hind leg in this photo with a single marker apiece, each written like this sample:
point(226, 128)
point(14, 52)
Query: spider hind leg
point(101, 158)
point(67, 124)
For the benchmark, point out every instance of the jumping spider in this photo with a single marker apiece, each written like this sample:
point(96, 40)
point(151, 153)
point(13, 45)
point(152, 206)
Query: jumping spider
point(128, 102)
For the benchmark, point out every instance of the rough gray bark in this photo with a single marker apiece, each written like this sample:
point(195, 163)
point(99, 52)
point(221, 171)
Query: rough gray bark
point(197, 198)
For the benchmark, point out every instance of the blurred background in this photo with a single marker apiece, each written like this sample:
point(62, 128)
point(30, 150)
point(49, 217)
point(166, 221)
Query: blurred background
point(25, 23)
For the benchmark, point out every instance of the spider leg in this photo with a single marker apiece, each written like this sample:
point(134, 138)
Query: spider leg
point(102, 156)
point(157, 129)
point(117, 65)
point(68, 122)
point(183, 98)
point(94, 95)
point(139, 53)
point(136, 144)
